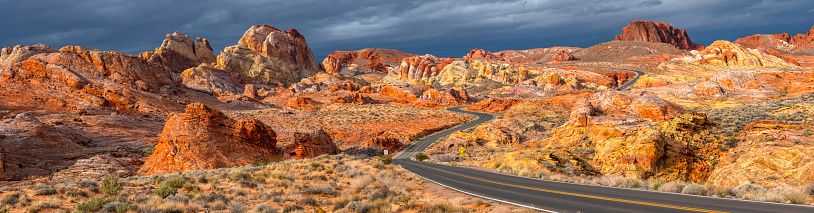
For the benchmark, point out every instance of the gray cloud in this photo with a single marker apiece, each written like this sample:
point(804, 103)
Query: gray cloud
point(650, 3)
point(441, 27)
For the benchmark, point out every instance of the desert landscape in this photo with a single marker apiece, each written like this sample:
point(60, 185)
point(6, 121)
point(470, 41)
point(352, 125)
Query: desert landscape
point(264, 126)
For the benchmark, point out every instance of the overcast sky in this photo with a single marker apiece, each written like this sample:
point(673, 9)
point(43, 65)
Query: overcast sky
point(443, 28)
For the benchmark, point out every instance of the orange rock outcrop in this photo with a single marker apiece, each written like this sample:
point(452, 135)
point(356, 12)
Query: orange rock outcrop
point(313, 143)
point(480, 53)
point(365, 60)
point(800, 43)
point(657, 32)
point(204, 138)
point(562, 55)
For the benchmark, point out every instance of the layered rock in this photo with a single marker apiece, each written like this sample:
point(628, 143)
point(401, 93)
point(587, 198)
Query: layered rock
point(657, 32)
point(645, 106)
point(492, 105)
point(581, 113)
point(533, 55)
point(365, 60)
point(473, 72)
point(797, 44)
point(391, 144)
point(204, 138)
point(418, 68)
point(728, 54)
point(179, 52)
point(29, 147)
point(313, 143)
point(301, 103)
point(216, 81)
point(354, 98)
point(562, 55)
point(404, 90)
point(77, 77)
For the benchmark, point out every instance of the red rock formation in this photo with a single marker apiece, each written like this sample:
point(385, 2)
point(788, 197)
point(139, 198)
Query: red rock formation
point(365, 60)
point(562, 55)
point(492, 105)
point(404, 90)
point(313, 143)
point(382, 143)
point(204, 138)
point(658, 32)
point(479, 53)
point(419, 67)
point(354, 98)
point(653, 107)
point(179, 52)
point(301, 103)
point(288, 45)
point(800, 43)
point(581, 114)
point(451, 97)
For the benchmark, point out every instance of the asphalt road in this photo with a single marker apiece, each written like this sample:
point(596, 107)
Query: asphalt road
point(566, 197)
point(629, 83)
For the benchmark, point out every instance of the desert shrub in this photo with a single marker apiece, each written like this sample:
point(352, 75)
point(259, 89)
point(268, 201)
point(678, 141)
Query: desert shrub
point(177, 198)
point(165, 191)
point(202, 179)
point(175, 183)
point(72, 192)
point(292, 208)
point(247, 183)
point(11, 199)
point(747, 190)
point(421, 156)
point(210, 198)
point(724, 191)
point(308, 201)
point(795, 196)
point(444, 157)
point(382, 193)
point(117, 207)
point(325, 190)
point(237, 207)
point(112, 185)
point(360, 183)
point(240, 176)
point(263, 208)
point(654, 184)
point(46, 191)
point(672, 186)
point(694, 189)
point(93, 186)
point(46, 204)
point(92, 205)
point(315, 165)
point(386, 159)
point(809, 188)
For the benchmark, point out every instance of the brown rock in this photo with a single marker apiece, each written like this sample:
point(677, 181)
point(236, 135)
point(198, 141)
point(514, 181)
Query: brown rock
point(179, 52)
point(657, 32)
point(562, 55)
point(797, 44)
point(313, 143)
point(382, 143)
point(332, 65)
point(404, 90)
point(29, 147)
point(581, 113)
point(492, 105)
point(204, 138)
point(354, 98)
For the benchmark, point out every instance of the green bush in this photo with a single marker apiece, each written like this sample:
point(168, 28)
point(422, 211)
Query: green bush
point(421, 156)
point(112, 185)
point(92, 205)
point(176, 183)
point(386, 159)
point(165, 191)
point(315, 165)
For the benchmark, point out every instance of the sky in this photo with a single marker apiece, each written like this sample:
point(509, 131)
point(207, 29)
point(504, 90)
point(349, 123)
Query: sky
point(443, 27)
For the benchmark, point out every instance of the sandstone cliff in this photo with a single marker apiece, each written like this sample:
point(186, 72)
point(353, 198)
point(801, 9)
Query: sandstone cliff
point(179, 52)
point(657, 32)
point(728, 54)
point(797, 44)
point(365, 60)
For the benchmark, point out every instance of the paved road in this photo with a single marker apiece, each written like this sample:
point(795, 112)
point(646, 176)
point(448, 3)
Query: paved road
point(629, 83)
point(566, 197)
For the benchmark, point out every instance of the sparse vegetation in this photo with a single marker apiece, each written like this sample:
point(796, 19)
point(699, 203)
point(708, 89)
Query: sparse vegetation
point(421, 156)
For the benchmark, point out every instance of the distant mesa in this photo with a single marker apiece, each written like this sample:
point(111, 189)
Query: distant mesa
point(366, 60)
point(800, 43)
point(657, 32)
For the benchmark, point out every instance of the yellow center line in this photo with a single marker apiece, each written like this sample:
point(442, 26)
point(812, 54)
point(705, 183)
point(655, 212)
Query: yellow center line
point(577, 195)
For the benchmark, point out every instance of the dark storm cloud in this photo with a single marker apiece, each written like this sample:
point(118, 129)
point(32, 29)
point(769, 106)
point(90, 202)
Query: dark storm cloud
point(650, 3)
point(444, 27)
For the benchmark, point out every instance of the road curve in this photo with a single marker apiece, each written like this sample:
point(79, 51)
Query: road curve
point(628, 84)
point(553, 196)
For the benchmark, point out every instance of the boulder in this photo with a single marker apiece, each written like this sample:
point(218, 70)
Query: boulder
point(204, 138)
point(313, 143)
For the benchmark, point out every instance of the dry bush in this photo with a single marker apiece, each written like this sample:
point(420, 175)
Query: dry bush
point(361, 182)
point(672, 186)
point(694, 189)
point(749, 191)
